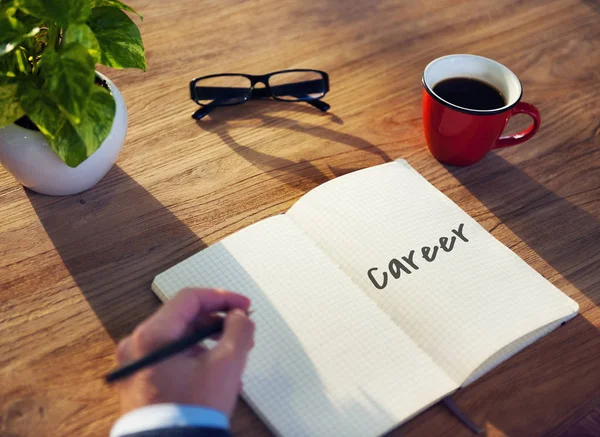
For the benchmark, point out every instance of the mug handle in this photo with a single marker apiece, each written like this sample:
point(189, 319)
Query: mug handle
point(524, 135)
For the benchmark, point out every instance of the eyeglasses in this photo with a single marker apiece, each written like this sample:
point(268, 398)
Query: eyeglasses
point(233, 89)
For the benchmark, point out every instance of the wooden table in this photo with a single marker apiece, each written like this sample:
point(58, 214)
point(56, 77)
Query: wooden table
point(75, 272)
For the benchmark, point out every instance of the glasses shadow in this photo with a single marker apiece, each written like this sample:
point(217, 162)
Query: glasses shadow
point(300, 174)
point(114, 239)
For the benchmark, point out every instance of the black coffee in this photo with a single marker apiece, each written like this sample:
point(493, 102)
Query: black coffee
point(470, 93)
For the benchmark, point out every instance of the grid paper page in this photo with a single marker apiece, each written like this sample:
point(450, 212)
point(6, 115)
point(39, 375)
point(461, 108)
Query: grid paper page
point(327, 361)
point(510, 350)
point(462, 306)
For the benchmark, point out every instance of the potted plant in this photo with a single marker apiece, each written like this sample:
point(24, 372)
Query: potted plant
point(62, 123)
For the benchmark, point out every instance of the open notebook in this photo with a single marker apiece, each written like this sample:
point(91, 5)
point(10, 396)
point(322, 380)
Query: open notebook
point(375, 296)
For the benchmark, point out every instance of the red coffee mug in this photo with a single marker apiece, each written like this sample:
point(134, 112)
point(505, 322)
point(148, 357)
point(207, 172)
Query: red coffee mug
point(462, 136)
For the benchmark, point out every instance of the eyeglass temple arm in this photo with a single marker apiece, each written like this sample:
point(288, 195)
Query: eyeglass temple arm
point(319, 104)
point(295, 91)
point(300, 90)
point(202, 112)
point(205, 110)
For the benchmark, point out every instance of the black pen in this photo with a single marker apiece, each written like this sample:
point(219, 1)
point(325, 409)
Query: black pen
point(166, 351)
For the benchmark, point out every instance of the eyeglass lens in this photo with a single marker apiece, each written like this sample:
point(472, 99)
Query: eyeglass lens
point(232, 89)
point(223, 90)
point(297, 85)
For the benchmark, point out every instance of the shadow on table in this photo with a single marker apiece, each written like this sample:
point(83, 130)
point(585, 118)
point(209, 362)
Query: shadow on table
point(555, 381)
point(593, 4)
point(565, 235)
point(116, 237)
point(113, 239)
point(297, 174)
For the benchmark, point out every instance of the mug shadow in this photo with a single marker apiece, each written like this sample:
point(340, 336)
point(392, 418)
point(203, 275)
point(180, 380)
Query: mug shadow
point(562, 233)
point(113, 239)
point(565, 235)
point(300, 174)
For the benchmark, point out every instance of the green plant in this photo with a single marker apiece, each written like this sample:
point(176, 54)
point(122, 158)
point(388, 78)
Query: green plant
point(48, 55)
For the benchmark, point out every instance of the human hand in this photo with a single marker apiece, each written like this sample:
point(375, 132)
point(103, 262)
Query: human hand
point(208, 378)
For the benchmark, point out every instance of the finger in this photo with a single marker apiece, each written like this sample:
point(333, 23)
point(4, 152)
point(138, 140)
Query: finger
point(238, 335)
point(196, 351)
point(215, 337)
point(174, 318)
point(206, 320)
point(202, 321)
point(125, 353)
point(190, 303)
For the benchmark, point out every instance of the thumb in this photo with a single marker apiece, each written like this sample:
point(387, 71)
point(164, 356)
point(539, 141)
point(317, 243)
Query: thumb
point(238, 335)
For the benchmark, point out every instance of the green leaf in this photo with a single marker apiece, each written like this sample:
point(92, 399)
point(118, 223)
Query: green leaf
point(7, 6)
point(12, 31)
point(14, 64)
point(10, 108)
point(69, 75)
point(62, 12)
point(41, 109)
point(75, 143)
point(7, 66)
point(79, 33)
point(119, 38)
point(97, 119)
point(115, 4)
point(68, 146)
point(29, 21)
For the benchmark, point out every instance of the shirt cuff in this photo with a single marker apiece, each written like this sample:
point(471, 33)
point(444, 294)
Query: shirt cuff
point(168, 416)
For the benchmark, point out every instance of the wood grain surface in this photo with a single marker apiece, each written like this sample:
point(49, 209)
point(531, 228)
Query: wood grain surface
point(75, 272)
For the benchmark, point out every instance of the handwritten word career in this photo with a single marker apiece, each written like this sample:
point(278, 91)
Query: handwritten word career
point(397, 267)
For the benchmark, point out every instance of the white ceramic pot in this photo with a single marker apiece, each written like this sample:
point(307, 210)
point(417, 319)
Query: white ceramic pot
point(28, 157)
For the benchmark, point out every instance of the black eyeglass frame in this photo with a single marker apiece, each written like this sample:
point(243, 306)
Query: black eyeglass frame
point(259, 93)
